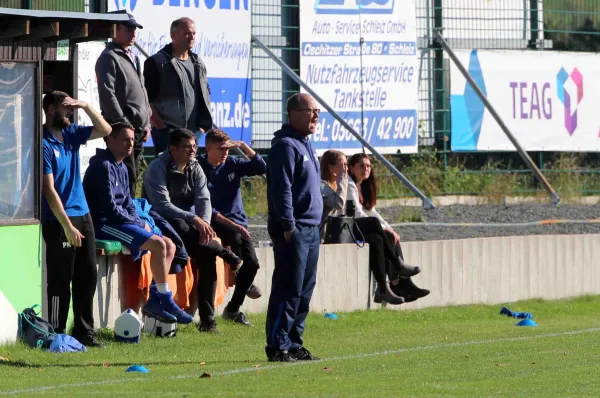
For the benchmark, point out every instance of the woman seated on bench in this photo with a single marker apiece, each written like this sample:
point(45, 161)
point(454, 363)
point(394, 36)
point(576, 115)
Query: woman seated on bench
point(385, 254)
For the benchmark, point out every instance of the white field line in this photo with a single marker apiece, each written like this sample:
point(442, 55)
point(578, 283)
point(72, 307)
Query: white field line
point(300, 363)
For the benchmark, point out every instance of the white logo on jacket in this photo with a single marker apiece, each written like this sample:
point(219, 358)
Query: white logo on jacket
point(231, 176)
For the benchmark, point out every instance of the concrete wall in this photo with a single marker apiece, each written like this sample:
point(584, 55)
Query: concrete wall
point(469, 271)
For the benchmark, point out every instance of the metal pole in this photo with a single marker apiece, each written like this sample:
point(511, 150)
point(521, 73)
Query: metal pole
point(427, 203)
point(538, 174)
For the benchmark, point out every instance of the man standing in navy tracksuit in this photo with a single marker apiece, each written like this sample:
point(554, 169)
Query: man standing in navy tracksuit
point(295, 209)
point(229, 221)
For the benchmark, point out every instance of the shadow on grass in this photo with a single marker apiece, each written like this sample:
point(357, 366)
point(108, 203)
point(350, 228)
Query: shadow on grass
point(24, 364)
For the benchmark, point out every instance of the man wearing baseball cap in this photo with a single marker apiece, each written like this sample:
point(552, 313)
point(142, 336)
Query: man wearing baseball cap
point(123, 97)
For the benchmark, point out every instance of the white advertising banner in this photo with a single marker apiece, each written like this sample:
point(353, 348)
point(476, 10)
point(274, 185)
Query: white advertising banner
point(549, 101)
point(373, 86)
point(222, 41)
point(87, 90)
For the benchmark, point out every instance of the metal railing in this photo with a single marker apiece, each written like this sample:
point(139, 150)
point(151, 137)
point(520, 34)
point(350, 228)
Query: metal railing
point(537, 25)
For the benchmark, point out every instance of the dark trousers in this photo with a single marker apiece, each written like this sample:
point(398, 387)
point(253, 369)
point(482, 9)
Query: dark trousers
point(68, 266)
point(160, 139)
point(206, 261)
point(381, 247)
point(244, 249)
point(294, 280)
point(134, 161)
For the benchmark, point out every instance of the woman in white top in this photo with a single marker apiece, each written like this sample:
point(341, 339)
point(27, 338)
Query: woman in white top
point(362, 190)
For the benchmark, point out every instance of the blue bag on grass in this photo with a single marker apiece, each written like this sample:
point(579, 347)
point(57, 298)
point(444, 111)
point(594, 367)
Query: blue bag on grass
point(66, 343)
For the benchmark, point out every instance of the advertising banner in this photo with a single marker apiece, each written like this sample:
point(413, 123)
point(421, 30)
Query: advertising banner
point(360, 56)
point(546, 98)
point(223, 34)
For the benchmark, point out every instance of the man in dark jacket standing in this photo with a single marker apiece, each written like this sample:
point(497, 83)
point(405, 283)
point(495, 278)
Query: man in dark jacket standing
point(106, 188)
point(177, 85)
point(122, 94)
point(295, 208)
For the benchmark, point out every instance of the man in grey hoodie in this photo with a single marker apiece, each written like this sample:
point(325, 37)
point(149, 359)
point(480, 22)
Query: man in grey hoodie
point(123, 97)
point(176, 187)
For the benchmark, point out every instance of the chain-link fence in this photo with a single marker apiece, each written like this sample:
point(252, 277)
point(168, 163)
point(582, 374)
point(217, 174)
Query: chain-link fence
point(52, 5)
point(535, 25)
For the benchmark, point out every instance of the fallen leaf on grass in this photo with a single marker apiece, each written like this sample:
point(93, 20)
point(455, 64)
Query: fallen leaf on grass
point(466, 356)
point(499, 364)
point(327, 369)
point(259, 371)
point(533, 363)
point(206, 376)
point(257, 366)
point(397, 355)
point(2, 359)
point(202, 363)
point(106, 365)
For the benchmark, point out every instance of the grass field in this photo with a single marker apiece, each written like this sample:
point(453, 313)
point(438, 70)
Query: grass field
point(456, 351)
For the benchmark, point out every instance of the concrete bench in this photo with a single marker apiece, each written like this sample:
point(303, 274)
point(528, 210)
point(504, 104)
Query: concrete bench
point(343, 282)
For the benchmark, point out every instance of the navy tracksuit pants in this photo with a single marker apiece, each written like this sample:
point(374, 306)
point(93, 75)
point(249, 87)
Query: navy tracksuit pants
point(294, 280)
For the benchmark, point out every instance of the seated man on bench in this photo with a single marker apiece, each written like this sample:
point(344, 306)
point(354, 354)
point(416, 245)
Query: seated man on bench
point(176, 187)
point(106, 186)
point(224, 174)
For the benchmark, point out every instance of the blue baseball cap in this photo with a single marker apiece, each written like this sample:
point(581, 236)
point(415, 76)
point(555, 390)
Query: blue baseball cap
point(132, 22)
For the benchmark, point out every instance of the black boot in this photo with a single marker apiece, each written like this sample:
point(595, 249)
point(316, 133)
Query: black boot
point(406, 271)
point(407, 289)
point(385, 293)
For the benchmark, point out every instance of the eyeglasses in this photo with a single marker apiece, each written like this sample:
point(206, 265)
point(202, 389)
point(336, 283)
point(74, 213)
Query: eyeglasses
point(189, 147)
point(312, 112)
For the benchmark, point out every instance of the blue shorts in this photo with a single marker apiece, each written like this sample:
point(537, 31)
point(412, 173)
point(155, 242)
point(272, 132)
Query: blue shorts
point(129, 235)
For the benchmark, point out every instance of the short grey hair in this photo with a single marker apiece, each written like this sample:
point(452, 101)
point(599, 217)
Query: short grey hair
point(295, 101)
point(178, 23)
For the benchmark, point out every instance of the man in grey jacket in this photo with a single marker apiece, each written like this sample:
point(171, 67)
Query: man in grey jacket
point(123, 97)
point(176, 187)
point(177, 85)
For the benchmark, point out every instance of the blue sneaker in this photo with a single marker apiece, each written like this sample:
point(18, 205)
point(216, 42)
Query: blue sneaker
point(168, 305)
point(154, 309)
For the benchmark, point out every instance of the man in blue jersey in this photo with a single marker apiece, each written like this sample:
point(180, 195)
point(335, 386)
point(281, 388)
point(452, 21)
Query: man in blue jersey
point(229, 221)
point(66, 222)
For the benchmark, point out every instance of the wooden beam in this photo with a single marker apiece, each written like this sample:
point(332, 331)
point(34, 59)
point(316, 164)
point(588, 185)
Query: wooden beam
point(71, 30)
point(14, 28)
point(98, 32)
point(42, 30)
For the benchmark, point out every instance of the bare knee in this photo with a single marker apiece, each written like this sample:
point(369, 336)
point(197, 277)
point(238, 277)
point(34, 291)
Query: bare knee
point(169, 246)
point(155, 245)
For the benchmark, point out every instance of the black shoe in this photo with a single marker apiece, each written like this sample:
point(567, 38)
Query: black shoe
point(282, 356)
point(386, 294)
point(208, 327)
point(89, 340)
point(302, 354)
point(237, 317)
point(234, 262)
point(405, 270)
point(254, 292)
point(407, 289)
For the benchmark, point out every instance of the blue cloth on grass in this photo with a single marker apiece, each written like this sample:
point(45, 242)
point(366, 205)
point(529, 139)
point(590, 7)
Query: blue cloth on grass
point(518, 315)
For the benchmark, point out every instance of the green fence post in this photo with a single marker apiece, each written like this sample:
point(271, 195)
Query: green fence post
point(534, 23)
point(438, 82)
